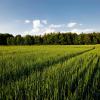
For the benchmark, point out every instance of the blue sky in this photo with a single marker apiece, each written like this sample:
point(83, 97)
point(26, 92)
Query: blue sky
point(44, 16)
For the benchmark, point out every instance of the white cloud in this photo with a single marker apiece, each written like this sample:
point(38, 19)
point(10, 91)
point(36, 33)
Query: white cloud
point(37, 24)
point(41, 27)
point(44, 22)
point(27, 21)
point(87, 30)
point(37, 27)
point(62, 31)
point(56, 26)
point(49, 30)
point(35, 30)
point(71, 24)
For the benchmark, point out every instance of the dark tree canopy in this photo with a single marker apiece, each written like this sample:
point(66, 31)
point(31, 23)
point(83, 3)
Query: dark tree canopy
point(4, 37)
point(52, 38)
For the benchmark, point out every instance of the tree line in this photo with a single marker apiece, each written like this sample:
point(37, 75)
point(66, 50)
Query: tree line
point(52, 38)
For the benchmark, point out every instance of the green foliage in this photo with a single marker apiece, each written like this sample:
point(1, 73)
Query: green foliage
point(4, 37)
point(52, 38)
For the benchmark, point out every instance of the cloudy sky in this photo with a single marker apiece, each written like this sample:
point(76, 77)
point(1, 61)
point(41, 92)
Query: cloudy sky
point(37, 17)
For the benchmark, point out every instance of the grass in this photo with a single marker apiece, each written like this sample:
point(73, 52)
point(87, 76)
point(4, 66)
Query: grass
point(55, 72)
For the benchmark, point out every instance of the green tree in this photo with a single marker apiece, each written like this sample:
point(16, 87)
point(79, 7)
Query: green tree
point(28, 40)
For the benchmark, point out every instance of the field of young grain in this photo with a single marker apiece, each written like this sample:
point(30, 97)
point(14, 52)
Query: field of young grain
point(56, 72)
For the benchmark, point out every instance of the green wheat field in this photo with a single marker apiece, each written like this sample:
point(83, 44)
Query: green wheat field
point(50, 72)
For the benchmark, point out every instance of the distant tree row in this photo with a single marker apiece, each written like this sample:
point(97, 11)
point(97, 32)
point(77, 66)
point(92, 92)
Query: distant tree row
point(52, 38)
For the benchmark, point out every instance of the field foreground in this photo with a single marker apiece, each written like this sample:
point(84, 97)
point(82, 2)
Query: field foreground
point(50, 72)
